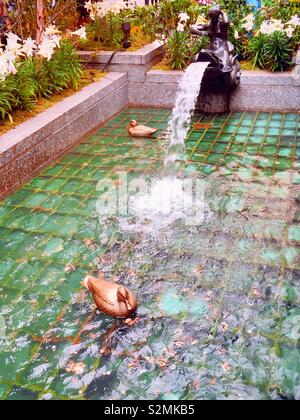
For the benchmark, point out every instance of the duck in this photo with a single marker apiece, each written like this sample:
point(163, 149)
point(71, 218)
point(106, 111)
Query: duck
point(140, 131)
point(110, 298)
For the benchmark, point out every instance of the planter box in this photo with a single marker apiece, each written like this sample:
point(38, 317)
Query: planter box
point(40, 140)
point(135, 64)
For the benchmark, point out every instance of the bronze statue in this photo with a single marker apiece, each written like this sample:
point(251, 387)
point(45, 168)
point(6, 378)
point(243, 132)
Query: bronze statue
point(220, 52)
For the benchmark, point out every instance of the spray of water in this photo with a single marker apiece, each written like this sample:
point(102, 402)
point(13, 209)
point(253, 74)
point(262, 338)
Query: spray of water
point(180, 120)
point(169, 199)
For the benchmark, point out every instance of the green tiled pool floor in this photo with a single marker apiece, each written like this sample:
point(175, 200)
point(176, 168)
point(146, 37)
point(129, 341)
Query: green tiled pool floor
point(219, 303)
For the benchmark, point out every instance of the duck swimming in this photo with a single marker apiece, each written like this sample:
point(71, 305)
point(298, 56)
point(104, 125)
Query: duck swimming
point(112, 299)
point(140, 131)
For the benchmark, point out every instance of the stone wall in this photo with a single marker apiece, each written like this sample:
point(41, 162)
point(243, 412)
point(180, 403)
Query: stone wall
point(258, 90)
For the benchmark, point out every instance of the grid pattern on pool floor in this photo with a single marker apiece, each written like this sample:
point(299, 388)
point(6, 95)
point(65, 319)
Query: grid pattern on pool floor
point(50, 222)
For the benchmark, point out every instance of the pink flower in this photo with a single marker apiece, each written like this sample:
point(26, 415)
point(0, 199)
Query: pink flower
point(204, 2)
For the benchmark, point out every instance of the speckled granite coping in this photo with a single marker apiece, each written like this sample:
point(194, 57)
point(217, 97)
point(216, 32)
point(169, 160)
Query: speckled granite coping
point(38, 141)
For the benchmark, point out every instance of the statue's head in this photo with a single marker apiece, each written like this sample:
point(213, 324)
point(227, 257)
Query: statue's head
point(215, 12)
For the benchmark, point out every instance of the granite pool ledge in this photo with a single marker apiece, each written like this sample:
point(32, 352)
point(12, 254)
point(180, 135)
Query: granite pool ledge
point(258, 90)
point(40, 140)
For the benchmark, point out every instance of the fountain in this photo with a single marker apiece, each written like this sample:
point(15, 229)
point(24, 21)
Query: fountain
point(223, 73)
point(206, 85)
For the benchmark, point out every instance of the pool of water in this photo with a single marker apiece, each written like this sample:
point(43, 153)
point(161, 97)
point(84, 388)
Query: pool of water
point(219, 310)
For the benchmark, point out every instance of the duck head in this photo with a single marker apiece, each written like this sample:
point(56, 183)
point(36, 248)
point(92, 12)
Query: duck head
point(132, 124)
point(85, 282)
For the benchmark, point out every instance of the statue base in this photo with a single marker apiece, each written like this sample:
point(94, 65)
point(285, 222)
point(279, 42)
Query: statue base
point(215, 93)
point(213, 103)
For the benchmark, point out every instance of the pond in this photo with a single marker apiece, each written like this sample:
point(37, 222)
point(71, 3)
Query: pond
point(219, 298)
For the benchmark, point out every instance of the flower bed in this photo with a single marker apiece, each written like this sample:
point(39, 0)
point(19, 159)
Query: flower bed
point(267, 37)
point(43, 103)
point(29, 71)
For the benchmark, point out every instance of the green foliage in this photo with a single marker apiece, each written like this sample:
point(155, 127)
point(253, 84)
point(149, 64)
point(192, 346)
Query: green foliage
point(64, 70)
point(277, 52)
point(280, 9)
point(38, 78)
point(256, 50)
point(107, 31)
point(181, 49)
point(178, 53)
point(271, 52)
point(8, 100)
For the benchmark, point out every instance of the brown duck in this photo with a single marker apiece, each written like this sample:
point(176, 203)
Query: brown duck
point(111, 298)
point(140, 131)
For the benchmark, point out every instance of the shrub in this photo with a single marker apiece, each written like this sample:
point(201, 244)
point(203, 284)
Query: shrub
point(277, 51)
point(178, 54)
point(256, 50)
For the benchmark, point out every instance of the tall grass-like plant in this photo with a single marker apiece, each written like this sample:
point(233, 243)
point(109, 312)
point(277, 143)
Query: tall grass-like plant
point(38, 77)
point(257, 50)
point(178, 53)
point(64, 70)
point(277, 51)
point(272, 52)
point(8, 99)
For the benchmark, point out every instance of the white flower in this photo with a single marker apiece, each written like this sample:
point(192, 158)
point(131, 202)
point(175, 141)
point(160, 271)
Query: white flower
point(289, 31)
point(51, 30)
point(29, 46)
point(46, 48)
point(294, 21)
point(269, 27)
point(101, 8)
point(236, 34)
point(13, 44)
point(183, 17)
point(11, 62)
point(3, 65)
point(80, 32)
point(7, 63)
point(248, 22)
point(277, 25)
point(180, 27)
point(56, 39)
point(266, 28)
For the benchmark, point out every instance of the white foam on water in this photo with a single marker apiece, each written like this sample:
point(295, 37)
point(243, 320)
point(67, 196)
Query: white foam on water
point(168, 200)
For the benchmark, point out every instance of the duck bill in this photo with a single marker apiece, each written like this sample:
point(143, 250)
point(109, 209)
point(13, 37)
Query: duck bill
point(129, 307)
point(130, 304)
point(85, 283)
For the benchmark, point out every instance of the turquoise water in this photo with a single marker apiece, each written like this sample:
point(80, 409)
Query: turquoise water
point(219, 301)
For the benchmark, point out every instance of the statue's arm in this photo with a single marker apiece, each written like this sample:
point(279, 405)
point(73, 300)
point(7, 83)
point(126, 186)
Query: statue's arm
point(200, 30)
point(225, 18)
